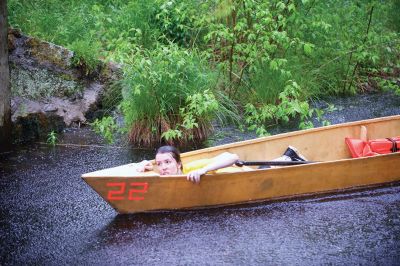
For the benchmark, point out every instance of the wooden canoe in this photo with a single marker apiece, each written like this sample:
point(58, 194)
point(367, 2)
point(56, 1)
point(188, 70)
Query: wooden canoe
point(129, 191)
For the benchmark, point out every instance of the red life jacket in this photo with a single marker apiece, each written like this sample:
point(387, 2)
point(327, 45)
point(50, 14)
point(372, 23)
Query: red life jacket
point(360, 148)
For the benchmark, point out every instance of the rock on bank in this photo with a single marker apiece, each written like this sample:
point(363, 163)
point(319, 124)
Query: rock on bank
point(49, 92)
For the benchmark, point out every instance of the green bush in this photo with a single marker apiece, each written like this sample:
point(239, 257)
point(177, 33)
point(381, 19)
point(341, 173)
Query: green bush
point(290, 106)
point(246, 35)
point(106, 127)
point(177, 21)
point(169, 95)
point(346, 39)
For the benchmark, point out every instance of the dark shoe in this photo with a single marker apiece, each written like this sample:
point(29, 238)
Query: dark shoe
point(293, 154)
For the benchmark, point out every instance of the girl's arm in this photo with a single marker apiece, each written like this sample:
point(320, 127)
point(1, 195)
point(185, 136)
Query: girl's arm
point(223, 160)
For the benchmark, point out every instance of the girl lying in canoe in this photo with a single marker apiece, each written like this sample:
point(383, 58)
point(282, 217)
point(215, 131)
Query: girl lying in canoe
point(168, 161)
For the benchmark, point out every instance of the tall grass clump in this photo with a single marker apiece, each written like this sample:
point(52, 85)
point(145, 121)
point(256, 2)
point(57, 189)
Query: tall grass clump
point(169, 97)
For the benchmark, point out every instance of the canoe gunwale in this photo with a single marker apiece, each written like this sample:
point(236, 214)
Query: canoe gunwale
point(266, 170)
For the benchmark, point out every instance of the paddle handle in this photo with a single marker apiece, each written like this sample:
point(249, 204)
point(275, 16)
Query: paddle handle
point(272, 163)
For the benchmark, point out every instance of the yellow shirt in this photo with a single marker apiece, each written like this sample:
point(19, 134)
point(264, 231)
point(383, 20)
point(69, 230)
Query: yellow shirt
point(198, 164)
point(195, 165)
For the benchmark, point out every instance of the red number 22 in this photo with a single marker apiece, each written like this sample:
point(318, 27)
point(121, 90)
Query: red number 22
point(118, 194)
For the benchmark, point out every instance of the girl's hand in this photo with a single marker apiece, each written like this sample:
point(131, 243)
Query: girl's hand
point(144, 166)
point(195, 175)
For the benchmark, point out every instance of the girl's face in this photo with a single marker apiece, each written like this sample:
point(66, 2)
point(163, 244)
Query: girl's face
point(167, 165)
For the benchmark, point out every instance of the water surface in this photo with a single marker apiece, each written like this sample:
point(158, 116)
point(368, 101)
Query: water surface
point(50, 216)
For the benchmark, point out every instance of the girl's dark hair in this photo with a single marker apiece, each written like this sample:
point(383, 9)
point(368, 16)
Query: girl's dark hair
point(174, 152)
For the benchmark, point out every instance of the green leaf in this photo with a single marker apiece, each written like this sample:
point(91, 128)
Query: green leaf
point(280, 5)
point(273, 65)
point(308, 48)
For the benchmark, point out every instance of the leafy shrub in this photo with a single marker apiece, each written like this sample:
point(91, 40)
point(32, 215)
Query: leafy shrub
point(169, 96)
point(106, 127)
point(177, 21)
point(346, 39)
point(290, 106)
point(247, 34)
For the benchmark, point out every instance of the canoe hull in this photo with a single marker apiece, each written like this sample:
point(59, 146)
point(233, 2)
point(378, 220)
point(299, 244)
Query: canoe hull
point(142, 194)
point(130, 192)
